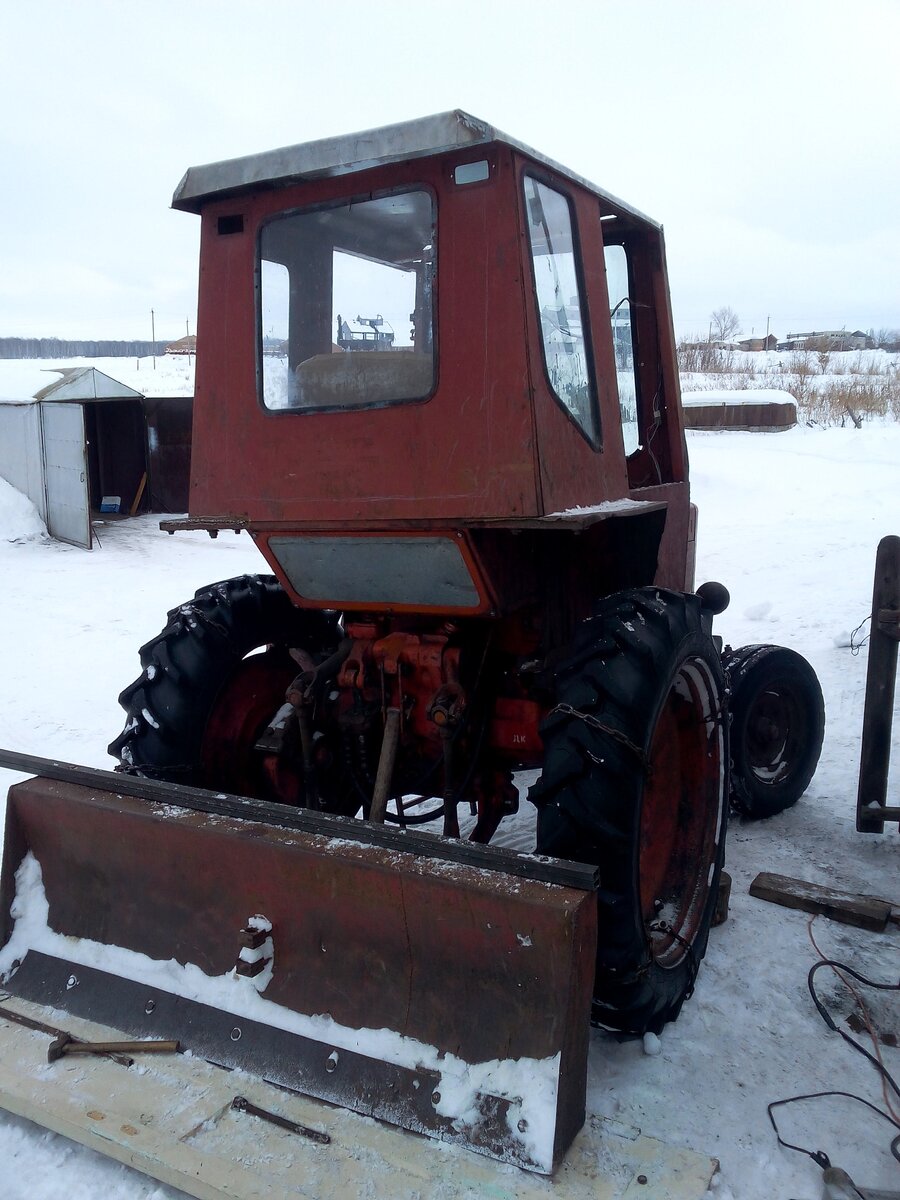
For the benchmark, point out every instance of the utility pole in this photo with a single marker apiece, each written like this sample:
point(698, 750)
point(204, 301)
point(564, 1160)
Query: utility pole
point(153, 335)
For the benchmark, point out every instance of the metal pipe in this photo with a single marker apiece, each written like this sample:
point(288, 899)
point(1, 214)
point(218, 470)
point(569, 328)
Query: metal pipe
point(451, 818)
point(309, 763)
point(385, 766)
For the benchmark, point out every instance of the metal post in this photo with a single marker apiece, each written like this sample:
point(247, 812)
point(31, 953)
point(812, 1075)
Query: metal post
point(881, 677)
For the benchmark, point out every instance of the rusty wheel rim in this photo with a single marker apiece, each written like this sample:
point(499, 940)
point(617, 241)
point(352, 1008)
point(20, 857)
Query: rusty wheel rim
point(243, 709)
point(681, 813)
point(777, 729)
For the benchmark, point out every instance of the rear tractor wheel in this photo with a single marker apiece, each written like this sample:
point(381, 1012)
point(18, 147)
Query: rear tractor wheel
point(635, 780)
point(212, 682)
point(777, 727)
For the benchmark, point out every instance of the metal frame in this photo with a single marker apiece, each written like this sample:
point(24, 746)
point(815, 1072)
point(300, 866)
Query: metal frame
point(540, 868)
point(872, 809)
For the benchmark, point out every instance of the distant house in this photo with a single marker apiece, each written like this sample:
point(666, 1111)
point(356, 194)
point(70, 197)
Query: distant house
point(185, 345)
point(826, 339)
point(757, 342)
point(365, 333)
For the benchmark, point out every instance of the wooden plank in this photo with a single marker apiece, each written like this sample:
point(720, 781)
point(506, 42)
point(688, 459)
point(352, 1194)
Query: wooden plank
point(173, 1120)
point(138, 495)
point(865, 912)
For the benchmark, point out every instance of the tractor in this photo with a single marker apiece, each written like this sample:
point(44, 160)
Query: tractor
point(437, 386)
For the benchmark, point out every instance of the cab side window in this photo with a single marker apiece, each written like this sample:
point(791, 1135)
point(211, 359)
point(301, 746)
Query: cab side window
point(560, 306)
point(620, 316)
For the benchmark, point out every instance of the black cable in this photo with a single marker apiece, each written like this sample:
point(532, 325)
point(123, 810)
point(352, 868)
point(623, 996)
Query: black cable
point(819, 1156)
point(827, 1018)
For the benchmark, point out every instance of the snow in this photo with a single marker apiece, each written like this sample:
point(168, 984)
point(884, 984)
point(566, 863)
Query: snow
point(19, 519)
point(790, 523)
point(606, 506)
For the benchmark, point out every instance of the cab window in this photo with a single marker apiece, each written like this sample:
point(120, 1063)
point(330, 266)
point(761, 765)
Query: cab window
point(618, 286)
point(559, 302)
point(345, 306)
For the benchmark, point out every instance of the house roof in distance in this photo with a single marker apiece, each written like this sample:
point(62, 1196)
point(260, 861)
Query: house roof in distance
point(352, 152)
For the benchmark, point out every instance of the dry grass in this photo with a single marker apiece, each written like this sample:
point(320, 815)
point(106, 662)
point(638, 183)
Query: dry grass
point(831, 388)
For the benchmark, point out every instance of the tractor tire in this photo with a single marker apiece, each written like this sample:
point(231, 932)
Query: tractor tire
point(203, 697)
point(777, 727)
point(635, 780)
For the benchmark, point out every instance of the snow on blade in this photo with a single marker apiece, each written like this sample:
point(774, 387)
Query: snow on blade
point(529, 1085)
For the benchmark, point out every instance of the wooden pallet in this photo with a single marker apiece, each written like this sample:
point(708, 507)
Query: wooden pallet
point(173, 1119)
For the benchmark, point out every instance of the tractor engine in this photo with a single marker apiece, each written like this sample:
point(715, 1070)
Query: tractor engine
point(401, 716)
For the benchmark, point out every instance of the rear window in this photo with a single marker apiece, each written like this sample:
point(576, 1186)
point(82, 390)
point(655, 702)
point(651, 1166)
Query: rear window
point(346, 314)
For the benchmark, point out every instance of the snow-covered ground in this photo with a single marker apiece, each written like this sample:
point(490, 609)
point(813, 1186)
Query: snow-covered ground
point(790, 522)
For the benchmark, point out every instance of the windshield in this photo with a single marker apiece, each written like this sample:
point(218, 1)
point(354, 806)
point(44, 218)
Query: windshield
point(345, 304)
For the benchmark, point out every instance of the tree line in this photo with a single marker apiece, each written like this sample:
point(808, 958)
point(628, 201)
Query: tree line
point(16, 347)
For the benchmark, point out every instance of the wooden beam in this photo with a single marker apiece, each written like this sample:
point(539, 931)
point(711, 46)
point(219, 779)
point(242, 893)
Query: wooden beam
point(138, 496)
point(865, 912)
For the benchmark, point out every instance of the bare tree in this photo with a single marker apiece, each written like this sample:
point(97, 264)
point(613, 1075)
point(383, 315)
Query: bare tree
point(885, 339)
point(724, 324)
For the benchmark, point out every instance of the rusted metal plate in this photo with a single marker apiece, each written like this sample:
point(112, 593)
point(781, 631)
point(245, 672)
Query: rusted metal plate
point(453, 964)
point(576, 520)
point(538, 867)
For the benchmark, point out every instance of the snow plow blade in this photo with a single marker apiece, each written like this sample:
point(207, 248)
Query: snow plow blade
point(435, 985)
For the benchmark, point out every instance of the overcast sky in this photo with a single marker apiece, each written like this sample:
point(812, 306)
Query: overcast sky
point(765, 136)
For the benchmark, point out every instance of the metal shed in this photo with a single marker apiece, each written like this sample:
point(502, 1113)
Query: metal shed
point(86, 435)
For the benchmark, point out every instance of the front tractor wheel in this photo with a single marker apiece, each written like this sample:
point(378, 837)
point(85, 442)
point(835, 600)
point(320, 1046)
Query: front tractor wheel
point(635, 780)
point(777, 727)
point(211, 683)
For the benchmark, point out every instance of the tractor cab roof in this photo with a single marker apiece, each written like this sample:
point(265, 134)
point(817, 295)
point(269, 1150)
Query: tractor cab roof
point(351, 153)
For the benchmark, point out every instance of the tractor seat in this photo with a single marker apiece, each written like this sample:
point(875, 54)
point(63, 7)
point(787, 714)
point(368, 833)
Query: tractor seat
point(360, 378)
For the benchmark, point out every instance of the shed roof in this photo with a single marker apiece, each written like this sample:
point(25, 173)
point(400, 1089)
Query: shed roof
point(85, 383)
point(29, 381)
point(26, 381)
point(352, 152)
